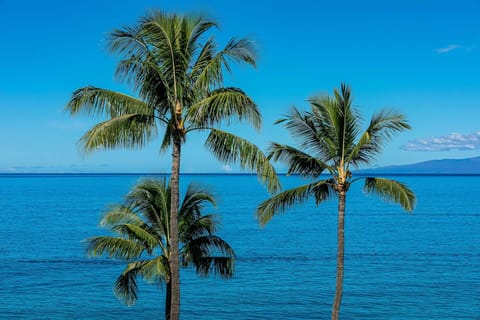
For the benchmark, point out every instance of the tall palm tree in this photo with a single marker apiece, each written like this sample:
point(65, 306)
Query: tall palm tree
point(330, 141)
point(142, 225)
point(177, 77)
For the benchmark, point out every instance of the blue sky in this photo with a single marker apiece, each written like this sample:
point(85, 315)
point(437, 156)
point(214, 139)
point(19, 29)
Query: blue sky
point(419, 57)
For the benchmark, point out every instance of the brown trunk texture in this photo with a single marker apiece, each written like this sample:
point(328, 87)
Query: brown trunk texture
point(173, 259)
point(340, 254)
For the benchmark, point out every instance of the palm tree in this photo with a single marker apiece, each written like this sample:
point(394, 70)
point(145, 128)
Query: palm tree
point(330, 141)
point(178, 80)
point(143, 225)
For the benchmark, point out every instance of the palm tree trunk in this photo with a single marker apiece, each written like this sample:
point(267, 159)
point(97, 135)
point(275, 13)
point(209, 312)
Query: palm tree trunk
point(173, 259)
point(340, 254)
point(168, 300)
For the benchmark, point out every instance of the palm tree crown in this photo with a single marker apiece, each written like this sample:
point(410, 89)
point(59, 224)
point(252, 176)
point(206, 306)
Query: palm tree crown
point(142, 226)
point(178, 80)
point(330, 141)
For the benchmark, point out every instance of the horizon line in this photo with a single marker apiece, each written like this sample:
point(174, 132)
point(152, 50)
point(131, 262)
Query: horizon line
point(217, 173)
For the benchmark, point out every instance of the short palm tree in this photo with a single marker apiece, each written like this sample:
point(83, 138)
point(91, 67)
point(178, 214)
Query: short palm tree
point(142, 225)
point(177, 77)
point(331, 142)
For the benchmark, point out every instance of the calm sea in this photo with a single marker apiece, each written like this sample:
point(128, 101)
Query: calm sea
point(398, 266)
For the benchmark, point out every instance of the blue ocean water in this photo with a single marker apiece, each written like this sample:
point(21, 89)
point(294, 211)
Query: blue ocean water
point(398, 266)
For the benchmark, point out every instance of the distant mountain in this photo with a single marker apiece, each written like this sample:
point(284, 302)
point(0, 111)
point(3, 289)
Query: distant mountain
point(444, 166)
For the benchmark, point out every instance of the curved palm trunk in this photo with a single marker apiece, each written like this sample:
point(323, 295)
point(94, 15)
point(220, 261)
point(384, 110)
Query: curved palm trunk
point(340, 254)
point(173, 259)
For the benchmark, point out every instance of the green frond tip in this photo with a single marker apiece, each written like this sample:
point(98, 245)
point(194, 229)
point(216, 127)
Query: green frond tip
point(298, 161)
point(391, 190)
point(229, 148)
point(278, 204)
point(113, 247)
point(225, 104)
point(128, 131)
point(95, 101)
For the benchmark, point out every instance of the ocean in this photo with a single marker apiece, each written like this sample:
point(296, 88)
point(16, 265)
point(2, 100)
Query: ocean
point(424, 265)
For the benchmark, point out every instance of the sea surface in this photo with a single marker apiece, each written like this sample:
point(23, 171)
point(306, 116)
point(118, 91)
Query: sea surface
point(424, 265)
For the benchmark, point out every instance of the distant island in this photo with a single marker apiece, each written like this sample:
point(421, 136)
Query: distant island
point(444, 166)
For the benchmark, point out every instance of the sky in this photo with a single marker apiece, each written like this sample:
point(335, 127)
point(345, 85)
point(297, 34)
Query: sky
point(421, 58)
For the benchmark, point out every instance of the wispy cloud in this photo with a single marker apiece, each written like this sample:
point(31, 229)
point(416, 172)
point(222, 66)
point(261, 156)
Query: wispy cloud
point(448, 48)
point(227, 168)
point(454, 141)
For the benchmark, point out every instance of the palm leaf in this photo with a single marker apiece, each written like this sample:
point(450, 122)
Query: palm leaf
point(203, 249)
point(241, 50)
point(126, 288)
point(120, 215)
point(191, 226)
point(195, 200)
point(337, 122)
point(139, 234)
point(298, 162)
point(128, 131)
point(156, 270)
point(323, 190)
point(229, 148)
point(382, 127)
point(219, 266)
point(282, 201)
point(151, 199)
point(224, 104)
point(207, 69)
point(391, 190)
point(100, 102)
point(312, 138)
point(114, 247)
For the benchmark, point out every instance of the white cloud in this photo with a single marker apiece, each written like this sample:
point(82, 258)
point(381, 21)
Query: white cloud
point(452, 141)
point(227, 168)
point(448, 48)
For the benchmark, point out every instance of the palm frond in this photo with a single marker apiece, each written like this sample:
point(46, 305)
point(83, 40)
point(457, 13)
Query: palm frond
point(198, 27)
point(114, 247)
point(282, 201)
point(229, 148)
point(219, 266)
point(120, 215)
point(323, 190)
point(138, 234)
point(224, 105)
point(156, 270)
point(298, 162)
point(207, 69)
point(391, 190)
point(317, 140)
point(191, 227)
point(209, 254)
point(195, 199)
point(208, 245)
point(128, 131)
point(163, 32)
point(126, 288)
point(101, 102)
point(128, 41)
point(337, 122)
point(240, 50)
point(146, 77)
point(381, 129)
point(151, 199)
